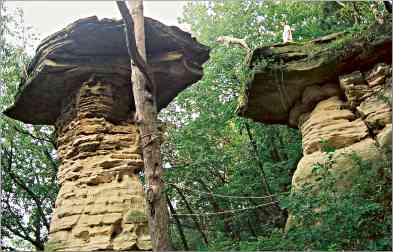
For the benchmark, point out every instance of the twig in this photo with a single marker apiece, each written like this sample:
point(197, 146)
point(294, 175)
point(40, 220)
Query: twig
point(226, 40)
point(229, 211)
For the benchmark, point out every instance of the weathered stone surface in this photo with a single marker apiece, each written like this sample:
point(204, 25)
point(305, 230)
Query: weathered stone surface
point(344, 163)
point(375, 110)
point(100, 157)
point(355, 88)
point(334, 126)
point(353, 79)
point(356, 94)
point(376, 76)
point(311, 96)
point(343, 167)
point(282, 72)
point(316, 93)
point(79, 80)
point(348, 131)
point(333, 95)
point(89, 46)
point(384, 138)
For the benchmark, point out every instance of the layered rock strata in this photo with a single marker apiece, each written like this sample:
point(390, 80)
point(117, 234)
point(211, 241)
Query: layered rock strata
point(79, 81)
point(336, 90)
point(89, 45)
point(284, 73)
point(100, 205)
point(357, 123)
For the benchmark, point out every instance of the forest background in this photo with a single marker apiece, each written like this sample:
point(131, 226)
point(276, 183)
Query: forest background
point(215, 160)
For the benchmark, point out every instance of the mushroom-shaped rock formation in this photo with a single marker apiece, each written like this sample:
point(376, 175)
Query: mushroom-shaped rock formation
point(79, 81)
point(335, 89)
point(91, 46)
point(282, 72)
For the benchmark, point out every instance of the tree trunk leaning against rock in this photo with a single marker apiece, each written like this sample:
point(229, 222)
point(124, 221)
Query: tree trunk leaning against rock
point(146, 116)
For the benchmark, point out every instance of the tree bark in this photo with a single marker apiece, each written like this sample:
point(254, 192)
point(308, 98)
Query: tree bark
point(146, 112)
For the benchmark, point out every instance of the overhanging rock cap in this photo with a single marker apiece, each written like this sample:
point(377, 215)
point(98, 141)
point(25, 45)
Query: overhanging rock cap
point(282, 72)
point(66, 59)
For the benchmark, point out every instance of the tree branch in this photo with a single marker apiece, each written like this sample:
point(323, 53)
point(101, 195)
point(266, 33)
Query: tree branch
point(18, 181)
point(133, 52)
point(25, 235)
point(226, 40)
point(194, 219)
point(178, 224)
point(25, 132)
point(36, 243)
point(340, 3)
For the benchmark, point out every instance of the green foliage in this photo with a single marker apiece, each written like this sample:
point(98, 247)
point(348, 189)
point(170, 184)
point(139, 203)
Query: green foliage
point(208, 146)
point(326, 217)
point(353, 217)
point(28, 163)
point(136, 216)
point(210, 149)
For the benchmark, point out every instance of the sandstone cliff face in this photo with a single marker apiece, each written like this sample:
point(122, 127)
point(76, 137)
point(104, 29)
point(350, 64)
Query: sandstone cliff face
point(363, 128)
point(353, 124)
point(330, 122)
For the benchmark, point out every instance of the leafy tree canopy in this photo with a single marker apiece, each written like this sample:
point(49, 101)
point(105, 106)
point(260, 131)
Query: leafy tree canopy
point(228, 178)
point(28, 162)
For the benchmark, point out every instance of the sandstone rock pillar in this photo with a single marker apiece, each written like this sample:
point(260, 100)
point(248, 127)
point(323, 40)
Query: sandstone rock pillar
point(100, 205)
point(335, 89)
point(79, 81)
point(357, 122)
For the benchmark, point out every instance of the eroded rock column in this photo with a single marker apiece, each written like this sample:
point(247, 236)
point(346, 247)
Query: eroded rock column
point(100, 205)
point(356, 118)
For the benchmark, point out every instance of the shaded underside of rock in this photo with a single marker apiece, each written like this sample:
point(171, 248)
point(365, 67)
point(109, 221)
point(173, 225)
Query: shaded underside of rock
point(67, 58)
point(282, 72)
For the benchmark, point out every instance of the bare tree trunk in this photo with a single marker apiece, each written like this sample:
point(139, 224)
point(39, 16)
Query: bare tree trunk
point(146, 111)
